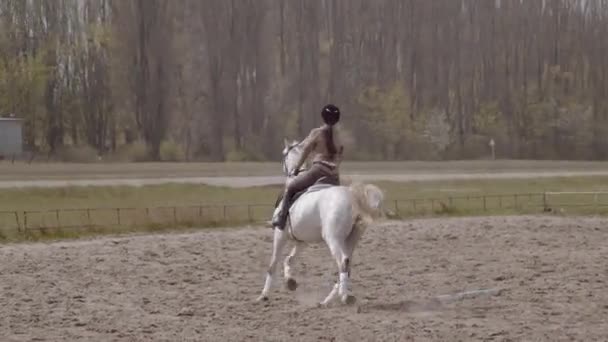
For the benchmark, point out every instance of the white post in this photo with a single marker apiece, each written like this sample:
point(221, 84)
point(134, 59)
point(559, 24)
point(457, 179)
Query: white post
point(492, 146)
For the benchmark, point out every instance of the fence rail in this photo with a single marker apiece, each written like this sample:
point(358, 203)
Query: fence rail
point(77, 218)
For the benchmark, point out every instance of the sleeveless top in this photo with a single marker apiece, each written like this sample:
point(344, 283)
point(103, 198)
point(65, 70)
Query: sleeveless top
point(315, 147)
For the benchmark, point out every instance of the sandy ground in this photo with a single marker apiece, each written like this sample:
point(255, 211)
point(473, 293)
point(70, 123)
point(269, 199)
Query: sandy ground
point(200, 286)
point(248, 181)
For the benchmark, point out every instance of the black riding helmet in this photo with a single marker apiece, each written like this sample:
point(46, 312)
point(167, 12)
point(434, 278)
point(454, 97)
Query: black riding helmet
point(330, 114)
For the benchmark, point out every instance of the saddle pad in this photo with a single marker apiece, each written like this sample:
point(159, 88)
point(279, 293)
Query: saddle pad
point(317, 187)
point(311, 189)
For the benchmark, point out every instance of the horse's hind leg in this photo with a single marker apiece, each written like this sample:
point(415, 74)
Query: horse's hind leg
point(290, 282)
point(342, 287)
point(277, 247)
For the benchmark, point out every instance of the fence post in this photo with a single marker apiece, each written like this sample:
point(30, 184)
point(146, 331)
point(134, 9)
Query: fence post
point(17, 220)
point(24, 220)
point(118, 215)
point(57, 217)
point(200, 211)
point(249, 213)
point(485, 207)
point(224, 207)
point(545, 207)
point(595, 200)
point(500, 201)
point(414, 205)
point(515, 201)
point(175, 215)
point(89, 218)
point(396, 207)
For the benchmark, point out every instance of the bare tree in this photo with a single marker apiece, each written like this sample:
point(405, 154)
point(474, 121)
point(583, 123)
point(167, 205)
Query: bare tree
point(146, 28)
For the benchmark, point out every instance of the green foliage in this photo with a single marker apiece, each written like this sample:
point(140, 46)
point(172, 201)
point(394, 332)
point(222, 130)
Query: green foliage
point(386, 112)
point(386, 115)
point(236, 156)
point(77, 154)
point(397, 133)
point(171, 151)
point(80, 73)
point(135, 152)
point(22, 89)
point(249, 152)
point(100, 34)
point(488, 120)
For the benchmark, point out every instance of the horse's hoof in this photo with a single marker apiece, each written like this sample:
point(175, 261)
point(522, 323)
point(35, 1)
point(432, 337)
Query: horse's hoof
point(349, 300)
point(291, 284)
point(262, 299)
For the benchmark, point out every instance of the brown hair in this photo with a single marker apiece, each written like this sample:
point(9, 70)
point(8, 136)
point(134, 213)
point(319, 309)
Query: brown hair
point(328, 133)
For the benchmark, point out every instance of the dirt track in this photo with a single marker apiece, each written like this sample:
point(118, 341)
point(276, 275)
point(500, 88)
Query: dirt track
point(273, 180)
point(200, 286)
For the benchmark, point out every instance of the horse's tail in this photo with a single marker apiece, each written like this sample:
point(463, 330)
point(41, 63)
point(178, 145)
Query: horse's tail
point(367, 206)
point(368, 201)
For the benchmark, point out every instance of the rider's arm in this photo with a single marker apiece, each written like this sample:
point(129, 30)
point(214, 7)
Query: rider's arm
point(308, 145)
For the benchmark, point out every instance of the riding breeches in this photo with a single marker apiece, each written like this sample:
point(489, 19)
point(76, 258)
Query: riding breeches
point(300, 183)
point(307, 178)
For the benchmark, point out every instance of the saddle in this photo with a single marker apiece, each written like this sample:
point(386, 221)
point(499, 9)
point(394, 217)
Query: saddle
point(320, 184)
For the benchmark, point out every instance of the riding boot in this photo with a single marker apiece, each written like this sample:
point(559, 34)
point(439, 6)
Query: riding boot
point(281, 219)
point(300, 183)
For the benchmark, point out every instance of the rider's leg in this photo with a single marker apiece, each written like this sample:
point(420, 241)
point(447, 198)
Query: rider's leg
point(299, 183)
point(273, 220)
point(279, 198)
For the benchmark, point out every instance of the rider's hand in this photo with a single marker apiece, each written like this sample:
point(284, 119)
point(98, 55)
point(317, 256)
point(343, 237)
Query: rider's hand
point(295, 173)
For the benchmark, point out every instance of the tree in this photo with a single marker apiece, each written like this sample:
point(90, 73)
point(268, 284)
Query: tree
point(146, 29)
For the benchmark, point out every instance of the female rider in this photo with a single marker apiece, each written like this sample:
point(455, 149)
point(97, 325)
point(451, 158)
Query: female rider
point(326, 156)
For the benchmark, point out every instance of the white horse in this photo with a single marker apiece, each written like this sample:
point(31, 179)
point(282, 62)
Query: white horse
point(336, 215)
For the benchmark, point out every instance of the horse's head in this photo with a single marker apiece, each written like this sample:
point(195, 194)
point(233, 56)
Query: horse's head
point(291, 153)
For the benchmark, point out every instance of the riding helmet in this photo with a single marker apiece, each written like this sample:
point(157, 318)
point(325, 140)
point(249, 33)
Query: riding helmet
point(331, 114)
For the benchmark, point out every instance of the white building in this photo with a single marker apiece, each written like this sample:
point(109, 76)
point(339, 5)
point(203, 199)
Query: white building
point(11, 137)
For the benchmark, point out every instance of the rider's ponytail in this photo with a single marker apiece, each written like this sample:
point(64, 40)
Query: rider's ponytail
point(329, 140)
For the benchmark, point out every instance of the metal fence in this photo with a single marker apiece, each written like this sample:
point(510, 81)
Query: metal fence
point(115, 217)
point(201, 215)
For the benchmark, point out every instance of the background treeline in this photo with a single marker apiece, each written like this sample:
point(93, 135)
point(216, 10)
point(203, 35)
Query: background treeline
point(228, 79)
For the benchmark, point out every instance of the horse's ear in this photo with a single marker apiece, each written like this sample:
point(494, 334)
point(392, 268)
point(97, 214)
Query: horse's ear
point(285, 142)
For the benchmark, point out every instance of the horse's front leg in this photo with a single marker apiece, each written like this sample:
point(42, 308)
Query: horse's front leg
point(277, 247)
point(290, 281)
